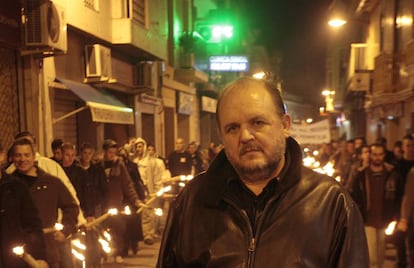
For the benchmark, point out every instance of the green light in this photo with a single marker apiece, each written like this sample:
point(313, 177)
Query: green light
point(222, 31)
point(215, 33)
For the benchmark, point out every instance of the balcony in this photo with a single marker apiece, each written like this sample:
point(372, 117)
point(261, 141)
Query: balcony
point(360, 68)
point(187, 73)
point(387, 76)
point(139, 32)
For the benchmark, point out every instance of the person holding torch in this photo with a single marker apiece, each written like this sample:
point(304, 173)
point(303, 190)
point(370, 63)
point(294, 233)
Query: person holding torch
point(19, 224)
point(49, 194)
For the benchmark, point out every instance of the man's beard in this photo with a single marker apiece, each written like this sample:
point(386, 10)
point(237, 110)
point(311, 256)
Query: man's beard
point(257, 172)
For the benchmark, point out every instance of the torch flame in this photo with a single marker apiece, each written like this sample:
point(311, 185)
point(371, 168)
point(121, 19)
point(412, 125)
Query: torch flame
point(158, 212)
point(127, 210)
point(19, 250)
point(112, 211)
point(58, 226)
point(390, 228)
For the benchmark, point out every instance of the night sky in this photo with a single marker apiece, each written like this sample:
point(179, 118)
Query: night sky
point(298, 29)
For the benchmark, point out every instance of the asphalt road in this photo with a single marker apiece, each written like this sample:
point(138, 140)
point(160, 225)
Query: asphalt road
point(145, 258)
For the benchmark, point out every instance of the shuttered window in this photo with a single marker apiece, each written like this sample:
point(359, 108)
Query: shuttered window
point(66, 129)
point(139, 11)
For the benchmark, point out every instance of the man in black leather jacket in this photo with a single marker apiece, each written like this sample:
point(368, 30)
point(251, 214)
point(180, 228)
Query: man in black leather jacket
point(257, 206)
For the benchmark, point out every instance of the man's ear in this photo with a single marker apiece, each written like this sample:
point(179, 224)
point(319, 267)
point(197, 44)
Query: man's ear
point(286, 125)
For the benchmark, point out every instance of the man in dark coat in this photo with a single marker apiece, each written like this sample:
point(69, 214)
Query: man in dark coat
point(19, 224)
point(49, 194)
point(257, 206)
point(119, 187)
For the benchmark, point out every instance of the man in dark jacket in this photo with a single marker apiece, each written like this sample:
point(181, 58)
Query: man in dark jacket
point(374, 191)
point(119, 187)
point(257, 206)
point(19, 224)
point(49, 194)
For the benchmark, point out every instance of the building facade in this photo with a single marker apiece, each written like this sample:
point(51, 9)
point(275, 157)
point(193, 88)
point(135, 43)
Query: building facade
point(378, 81)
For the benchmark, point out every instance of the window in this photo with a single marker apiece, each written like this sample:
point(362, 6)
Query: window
point(139, 11)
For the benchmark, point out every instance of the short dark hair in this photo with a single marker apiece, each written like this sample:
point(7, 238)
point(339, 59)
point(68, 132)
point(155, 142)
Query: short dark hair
point(150, 145)
point(359, 150)
point(381, 140)
point(56, 144)
point(378, 145)
point(19, 142)
point(408, 137)
point(108, 143)
point(24, 134)
point(86, 145)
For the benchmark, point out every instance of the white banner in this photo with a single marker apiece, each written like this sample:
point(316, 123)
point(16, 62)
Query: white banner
point(316, 133)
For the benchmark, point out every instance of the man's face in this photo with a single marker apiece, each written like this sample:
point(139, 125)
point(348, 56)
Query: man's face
point(23, 158)
point(139, 149)
point(377, 155)
point(192, 148)
point(179, 145)
point(151, 151)
point(408, 149)
point(68, 157)
point(350, 147)
point(86, 155)
point(365, 153)
point(57, 154)
point(358, 143)
point(110, 154)
point(253, 133)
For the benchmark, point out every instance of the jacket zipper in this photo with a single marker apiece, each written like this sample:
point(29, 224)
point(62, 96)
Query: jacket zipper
point(252, 239)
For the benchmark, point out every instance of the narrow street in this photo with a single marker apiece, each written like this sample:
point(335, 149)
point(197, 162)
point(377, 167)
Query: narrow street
point(145, 258)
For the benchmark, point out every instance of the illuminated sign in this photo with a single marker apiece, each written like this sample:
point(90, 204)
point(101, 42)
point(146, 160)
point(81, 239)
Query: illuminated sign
point(229, 63)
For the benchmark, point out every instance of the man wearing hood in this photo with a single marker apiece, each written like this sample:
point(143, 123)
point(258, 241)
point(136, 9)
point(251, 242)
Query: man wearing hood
point(151, 173)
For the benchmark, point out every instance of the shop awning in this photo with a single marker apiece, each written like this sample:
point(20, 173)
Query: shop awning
point(104, 107)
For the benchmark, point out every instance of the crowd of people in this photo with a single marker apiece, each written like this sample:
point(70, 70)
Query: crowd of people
point(380, 181)
point(255, 201)
point(82, 185)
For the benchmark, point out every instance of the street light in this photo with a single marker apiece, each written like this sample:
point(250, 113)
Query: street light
point(336, 23)
point(259, 75)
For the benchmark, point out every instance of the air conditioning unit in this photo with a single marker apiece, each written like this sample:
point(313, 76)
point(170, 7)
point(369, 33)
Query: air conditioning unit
point(98, 62)
point(45, 26)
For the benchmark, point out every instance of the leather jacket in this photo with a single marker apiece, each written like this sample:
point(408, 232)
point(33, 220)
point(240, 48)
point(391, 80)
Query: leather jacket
point(310, 221)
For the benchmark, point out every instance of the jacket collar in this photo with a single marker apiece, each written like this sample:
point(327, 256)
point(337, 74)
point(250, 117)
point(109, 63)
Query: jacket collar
point(221, 172)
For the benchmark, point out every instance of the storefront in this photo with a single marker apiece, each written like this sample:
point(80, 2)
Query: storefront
point(10, 43)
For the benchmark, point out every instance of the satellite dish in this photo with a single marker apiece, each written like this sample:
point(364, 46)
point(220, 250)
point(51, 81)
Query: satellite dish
point(53, 23)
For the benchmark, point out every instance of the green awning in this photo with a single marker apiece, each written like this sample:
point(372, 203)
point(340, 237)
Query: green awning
point(104, 107)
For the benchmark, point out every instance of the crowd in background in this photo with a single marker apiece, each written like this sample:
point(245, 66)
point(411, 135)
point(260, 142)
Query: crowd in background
point(85, 183)
point(381, 182)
